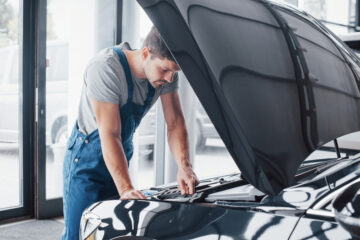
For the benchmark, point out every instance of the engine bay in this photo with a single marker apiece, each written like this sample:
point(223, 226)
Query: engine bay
point(225, 188)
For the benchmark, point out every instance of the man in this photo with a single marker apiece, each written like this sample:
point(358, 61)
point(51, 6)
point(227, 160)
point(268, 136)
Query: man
point(120, 85)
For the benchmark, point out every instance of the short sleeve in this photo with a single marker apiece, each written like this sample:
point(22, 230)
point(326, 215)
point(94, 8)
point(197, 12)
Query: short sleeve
point(171, 87)
point(102, 82)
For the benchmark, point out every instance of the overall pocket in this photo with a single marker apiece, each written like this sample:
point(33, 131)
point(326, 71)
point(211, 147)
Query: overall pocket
point(67, 159)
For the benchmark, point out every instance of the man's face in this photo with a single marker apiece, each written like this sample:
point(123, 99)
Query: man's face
point(159, 71)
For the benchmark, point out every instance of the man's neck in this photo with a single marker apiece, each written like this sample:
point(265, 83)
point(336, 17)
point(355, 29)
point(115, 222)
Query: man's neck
point(135, 62)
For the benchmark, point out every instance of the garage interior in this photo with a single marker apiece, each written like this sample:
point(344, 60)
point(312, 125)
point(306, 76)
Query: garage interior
point(44, 48)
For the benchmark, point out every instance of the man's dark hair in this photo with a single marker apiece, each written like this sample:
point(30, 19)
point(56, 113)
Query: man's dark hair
point(156, 45)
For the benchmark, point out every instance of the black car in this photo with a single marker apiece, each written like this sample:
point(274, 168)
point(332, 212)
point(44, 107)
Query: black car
point(277, 85)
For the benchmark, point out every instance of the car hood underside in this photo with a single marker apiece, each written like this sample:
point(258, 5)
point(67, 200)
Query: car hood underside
point(275, 82)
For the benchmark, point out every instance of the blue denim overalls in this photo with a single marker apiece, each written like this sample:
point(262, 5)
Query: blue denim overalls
point(86, 178)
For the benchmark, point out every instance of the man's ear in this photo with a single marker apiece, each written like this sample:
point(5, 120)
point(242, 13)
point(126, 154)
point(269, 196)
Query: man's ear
point(145, 52)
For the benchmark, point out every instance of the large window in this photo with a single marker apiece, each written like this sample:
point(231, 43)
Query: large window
point(206, 147)
point(71, 41)
point(338, 16)
point(41, 76)
point(209, 154)
point(10, 95)
point(136, 26)
point(335, 14)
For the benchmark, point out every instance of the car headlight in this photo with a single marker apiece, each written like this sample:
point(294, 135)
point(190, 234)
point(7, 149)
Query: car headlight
point(88, 224)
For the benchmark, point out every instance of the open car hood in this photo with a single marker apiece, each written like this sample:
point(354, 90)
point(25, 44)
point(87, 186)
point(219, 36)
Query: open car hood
point(275, 83)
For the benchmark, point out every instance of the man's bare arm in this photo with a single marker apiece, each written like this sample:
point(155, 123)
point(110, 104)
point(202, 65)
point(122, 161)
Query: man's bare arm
point(109, 126)
point(178, 141)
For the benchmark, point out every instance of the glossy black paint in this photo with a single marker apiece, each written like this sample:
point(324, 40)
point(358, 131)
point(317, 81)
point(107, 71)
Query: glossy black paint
point(294, 213)
point(304, 195)
point(308, 228)
point(347, 209)
point(164, 220)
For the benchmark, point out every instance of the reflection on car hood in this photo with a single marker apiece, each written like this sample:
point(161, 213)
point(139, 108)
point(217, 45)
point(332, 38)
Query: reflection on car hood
point(275, 83)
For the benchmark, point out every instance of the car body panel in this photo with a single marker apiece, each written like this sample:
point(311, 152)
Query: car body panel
point(233, 212)
point(172, 220)
point(316, 229)
point(267, 81)
point(304, 195)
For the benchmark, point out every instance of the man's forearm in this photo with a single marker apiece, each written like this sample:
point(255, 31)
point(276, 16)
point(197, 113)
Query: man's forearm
point(179, 143)
point(116, 161)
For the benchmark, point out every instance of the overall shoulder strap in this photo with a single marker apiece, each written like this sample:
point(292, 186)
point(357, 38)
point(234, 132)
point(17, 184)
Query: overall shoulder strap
point(150, 94)
point(126, 68)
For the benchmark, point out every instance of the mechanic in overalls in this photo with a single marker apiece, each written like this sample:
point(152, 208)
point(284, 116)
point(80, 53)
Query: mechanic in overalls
point(120, 85)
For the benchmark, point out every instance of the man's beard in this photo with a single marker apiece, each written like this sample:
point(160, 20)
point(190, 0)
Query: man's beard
point(160, 83)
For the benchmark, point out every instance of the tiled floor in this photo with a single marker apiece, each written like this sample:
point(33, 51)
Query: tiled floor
point(33, 229)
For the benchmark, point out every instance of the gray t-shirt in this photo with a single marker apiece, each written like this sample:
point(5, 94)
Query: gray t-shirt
point(105, 81)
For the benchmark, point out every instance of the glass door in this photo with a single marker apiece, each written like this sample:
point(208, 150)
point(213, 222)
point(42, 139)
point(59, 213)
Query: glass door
point(10, 134)
point(71, 41)
point(16, 110)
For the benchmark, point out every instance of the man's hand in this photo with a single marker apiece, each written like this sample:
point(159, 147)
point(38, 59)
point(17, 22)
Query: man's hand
point(132, 194)
point(187, 180)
